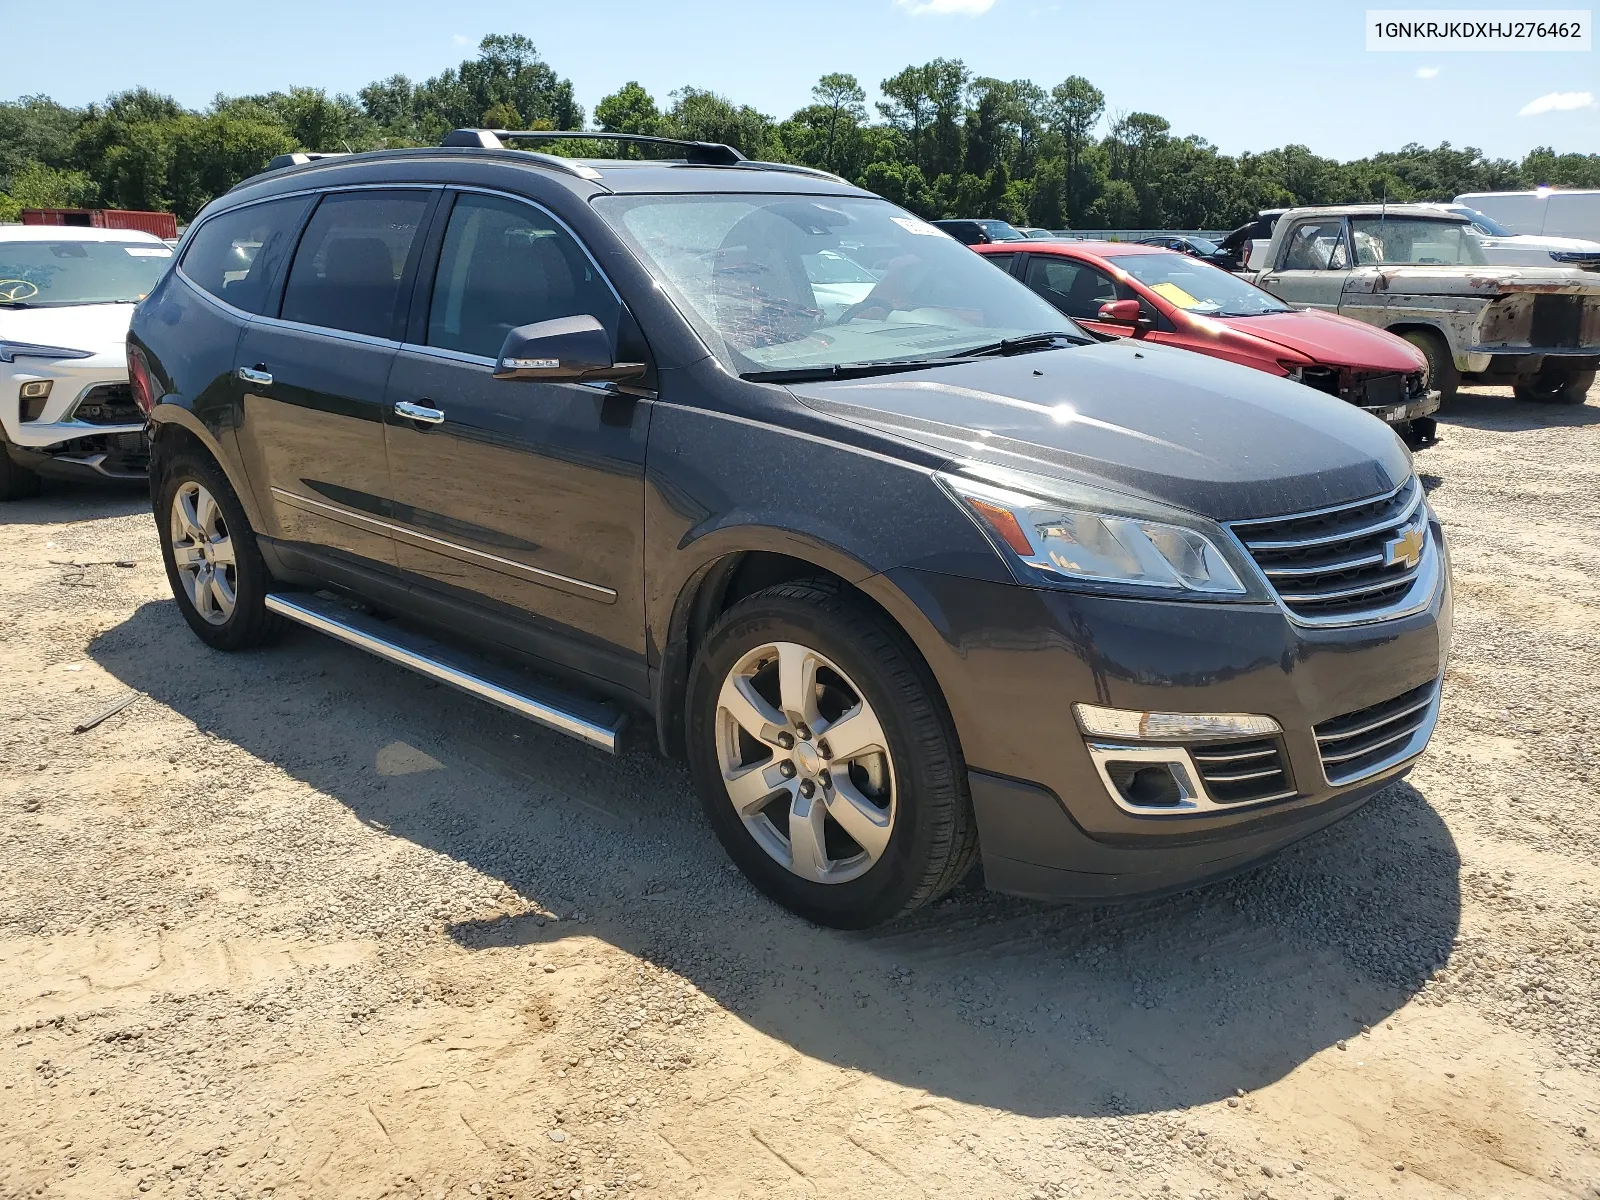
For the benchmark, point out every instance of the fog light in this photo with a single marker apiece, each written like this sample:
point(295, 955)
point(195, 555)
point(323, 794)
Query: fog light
point(33, 394)
point(1136, 725)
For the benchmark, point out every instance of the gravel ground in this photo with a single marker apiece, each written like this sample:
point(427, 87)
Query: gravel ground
point(297, 923)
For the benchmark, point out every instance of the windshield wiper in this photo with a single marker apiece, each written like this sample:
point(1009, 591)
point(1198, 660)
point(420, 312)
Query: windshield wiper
point(842, 370)
point(1026, 344)
point(15, 304)
point(1260, 312)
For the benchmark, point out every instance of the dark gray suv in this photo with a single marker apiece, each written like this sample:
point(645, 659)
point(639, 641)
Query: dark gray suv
point(912, 571)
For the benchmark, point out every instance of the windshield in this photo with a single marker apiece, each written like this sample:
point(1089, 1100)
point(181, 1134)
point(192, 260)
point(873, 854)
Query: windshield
point(1483, 222)
point(1197, 287)
point(797, 282)
point(53, 274)
point(1415, 240)
point(1204, 245)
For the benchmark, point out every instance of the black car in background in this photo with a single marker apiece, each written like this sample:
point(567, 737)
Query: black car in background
point(981, 232)
point(910, 569)
point(1235, 248)
point(1191, 244)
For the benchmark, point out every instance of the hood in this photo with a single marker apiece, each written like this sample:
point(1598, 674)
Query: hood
point(1173, 426)
point(1540, 241)
point(102, 328)
point(1472, 281)
point(1329, 339)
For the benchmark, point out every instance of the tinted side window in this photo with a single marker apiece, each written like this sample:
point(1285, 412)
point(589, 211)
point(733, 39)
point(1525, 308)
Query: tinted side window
point(1076, 288)
point(505, 264)
point(236, 255)
point(346, 274)
point(1003, 261)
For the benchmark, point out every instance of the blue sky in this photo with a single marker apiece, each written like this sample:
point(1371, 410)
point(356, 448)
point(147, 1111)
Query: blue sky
point(1247, 75)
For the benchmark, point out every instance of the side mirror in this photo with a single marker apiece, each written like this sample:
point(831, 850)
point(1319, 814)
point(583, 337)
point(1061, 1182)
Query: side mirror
point(568, 349)
point(1121, 312)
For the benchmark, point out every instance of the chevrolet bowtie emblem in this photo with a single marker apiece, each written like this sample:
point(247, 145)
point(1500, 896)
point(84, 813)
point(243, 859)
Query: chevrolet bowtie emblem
point(1405, 549)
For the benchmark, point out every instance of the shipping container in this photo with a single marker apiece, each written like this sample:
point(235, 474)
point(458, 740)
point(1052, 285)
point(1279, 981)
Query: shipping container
point(163, 225)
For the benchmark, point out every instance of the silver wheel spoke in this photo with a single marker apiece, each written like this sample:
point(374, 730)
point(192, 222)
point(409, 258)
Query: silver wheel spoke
point(863, 820)
point(807, 857)
point(752, 714)
point(797, 682)
point(205, 511)
point(223, 593)
point(222, 552)
point(750, 789)
point(187, 556)
point(202, 596)
point(787, 797)
point(853, 734)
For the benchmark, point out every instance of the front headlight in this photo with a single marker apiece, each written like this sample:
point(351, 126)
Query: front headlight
point(1061, 540)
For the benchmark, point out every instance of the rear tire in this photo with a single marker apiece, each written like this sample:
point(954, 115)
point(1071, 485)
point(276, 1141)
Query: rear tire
point(1442, 375)
point(16, 481)
point(850, 832)
point(1556, 387)
point(218, 576)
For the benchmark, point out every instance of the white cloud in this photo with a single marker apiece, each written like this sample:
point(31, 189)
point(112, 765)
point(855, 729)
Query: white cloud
point(1557, 102)
point(966, 8)
point(1427, 72)
point(461, 39)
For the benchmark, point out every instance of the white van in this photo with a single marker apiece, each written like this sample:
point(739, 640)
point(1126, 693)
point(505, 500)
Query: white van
point(1548, 211)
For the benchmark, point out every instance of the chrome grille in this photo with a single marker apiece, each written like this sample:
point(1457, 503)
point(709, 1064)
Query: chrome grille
point(1243, 772)
point(1341, 565)
point(1372, 739)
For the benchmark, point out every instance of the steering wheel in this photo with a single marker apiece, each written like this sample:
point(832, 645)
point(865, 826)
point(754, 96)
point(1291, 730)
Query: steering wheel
point(12, 290)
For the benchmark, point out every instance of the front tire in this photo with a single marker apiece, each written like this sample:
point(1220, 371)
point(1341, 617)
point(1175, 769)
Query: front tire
point(1442, 373)
point(1556, 387)
point(215, 568)
point(16, 481)
point(825, 758)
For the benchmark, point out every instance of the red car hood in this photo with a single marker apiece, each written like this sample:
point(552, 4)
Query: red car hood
point(1331, 340)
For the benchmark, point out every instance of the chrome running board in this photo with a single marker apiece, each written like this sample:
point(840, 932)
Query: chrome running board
point(596, 724)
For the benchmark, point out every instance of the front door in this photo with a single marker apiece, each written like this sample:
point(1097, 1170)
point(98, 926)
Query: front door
point(525, 495)
point(1313, 265)
point(314, 376)
point(1078, 289)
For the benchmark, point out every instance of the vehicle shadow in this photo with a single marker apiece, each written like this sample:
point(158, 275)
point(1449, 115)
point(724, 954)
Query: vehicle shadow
point(60, 501)
point(1034, 1009)
point(1501, 412)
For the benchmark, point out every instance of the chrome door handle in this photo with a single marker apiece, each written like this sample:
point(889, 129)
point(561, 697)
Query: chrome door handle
point(252, 375)
point(419, 412)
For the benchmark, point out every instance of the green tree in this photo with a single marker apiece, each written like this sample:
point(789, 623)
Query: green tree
point(1074, 109)
point(704, 116)
point(629, 109)
point(35, 185)
point(841, 107)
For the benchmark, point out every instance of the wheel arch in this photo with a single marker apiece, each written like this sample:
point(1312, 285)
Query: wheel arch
point(174, 429)
point(732, 574)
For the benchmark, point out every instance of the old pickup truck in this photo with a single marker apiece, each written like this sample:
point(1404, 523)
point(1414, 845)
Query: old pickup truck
point(1421, 273)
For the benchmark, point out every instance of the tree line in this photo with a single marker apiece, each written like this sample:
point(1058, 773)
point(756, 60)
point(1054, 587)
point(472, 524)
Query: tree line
point(942, 142)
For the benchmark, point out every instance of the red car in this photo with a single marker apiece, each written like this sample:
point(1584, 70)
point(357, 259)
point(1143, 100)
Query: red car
point(1118, 289)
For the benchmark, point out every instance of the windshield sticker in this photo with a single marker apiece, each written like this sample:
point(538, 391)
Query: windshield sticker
point(912, 225)
point(1171, 291)
point(148, 251)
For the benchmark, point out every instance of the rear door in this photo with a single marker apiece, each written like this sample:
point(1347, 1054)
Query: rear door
point(523, 496)
point(1313, 264)
point(314, 375)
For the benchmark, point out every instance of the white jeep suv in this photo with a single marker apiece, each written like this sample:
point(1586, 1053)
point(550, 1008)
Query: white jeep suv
point(66, 296)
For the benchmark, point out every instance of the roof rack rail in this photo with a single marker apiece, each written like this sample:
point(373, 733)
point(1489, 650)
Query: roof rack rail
point(300, 158)
point(709, 154)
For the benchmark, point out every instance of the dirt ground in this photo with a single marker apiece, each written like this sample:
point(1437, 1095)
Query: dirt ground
point(299, 924)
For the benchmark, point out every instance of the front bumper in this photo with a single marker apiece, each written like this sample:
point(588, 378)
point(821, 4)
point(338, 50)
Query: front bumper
point(1012, 661)
point(87, 427)
point(1404, 414)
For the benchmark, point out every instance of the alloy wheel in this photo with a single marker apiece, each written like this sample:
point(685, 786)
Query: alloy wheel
point(806, 763)
point(203, 552)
